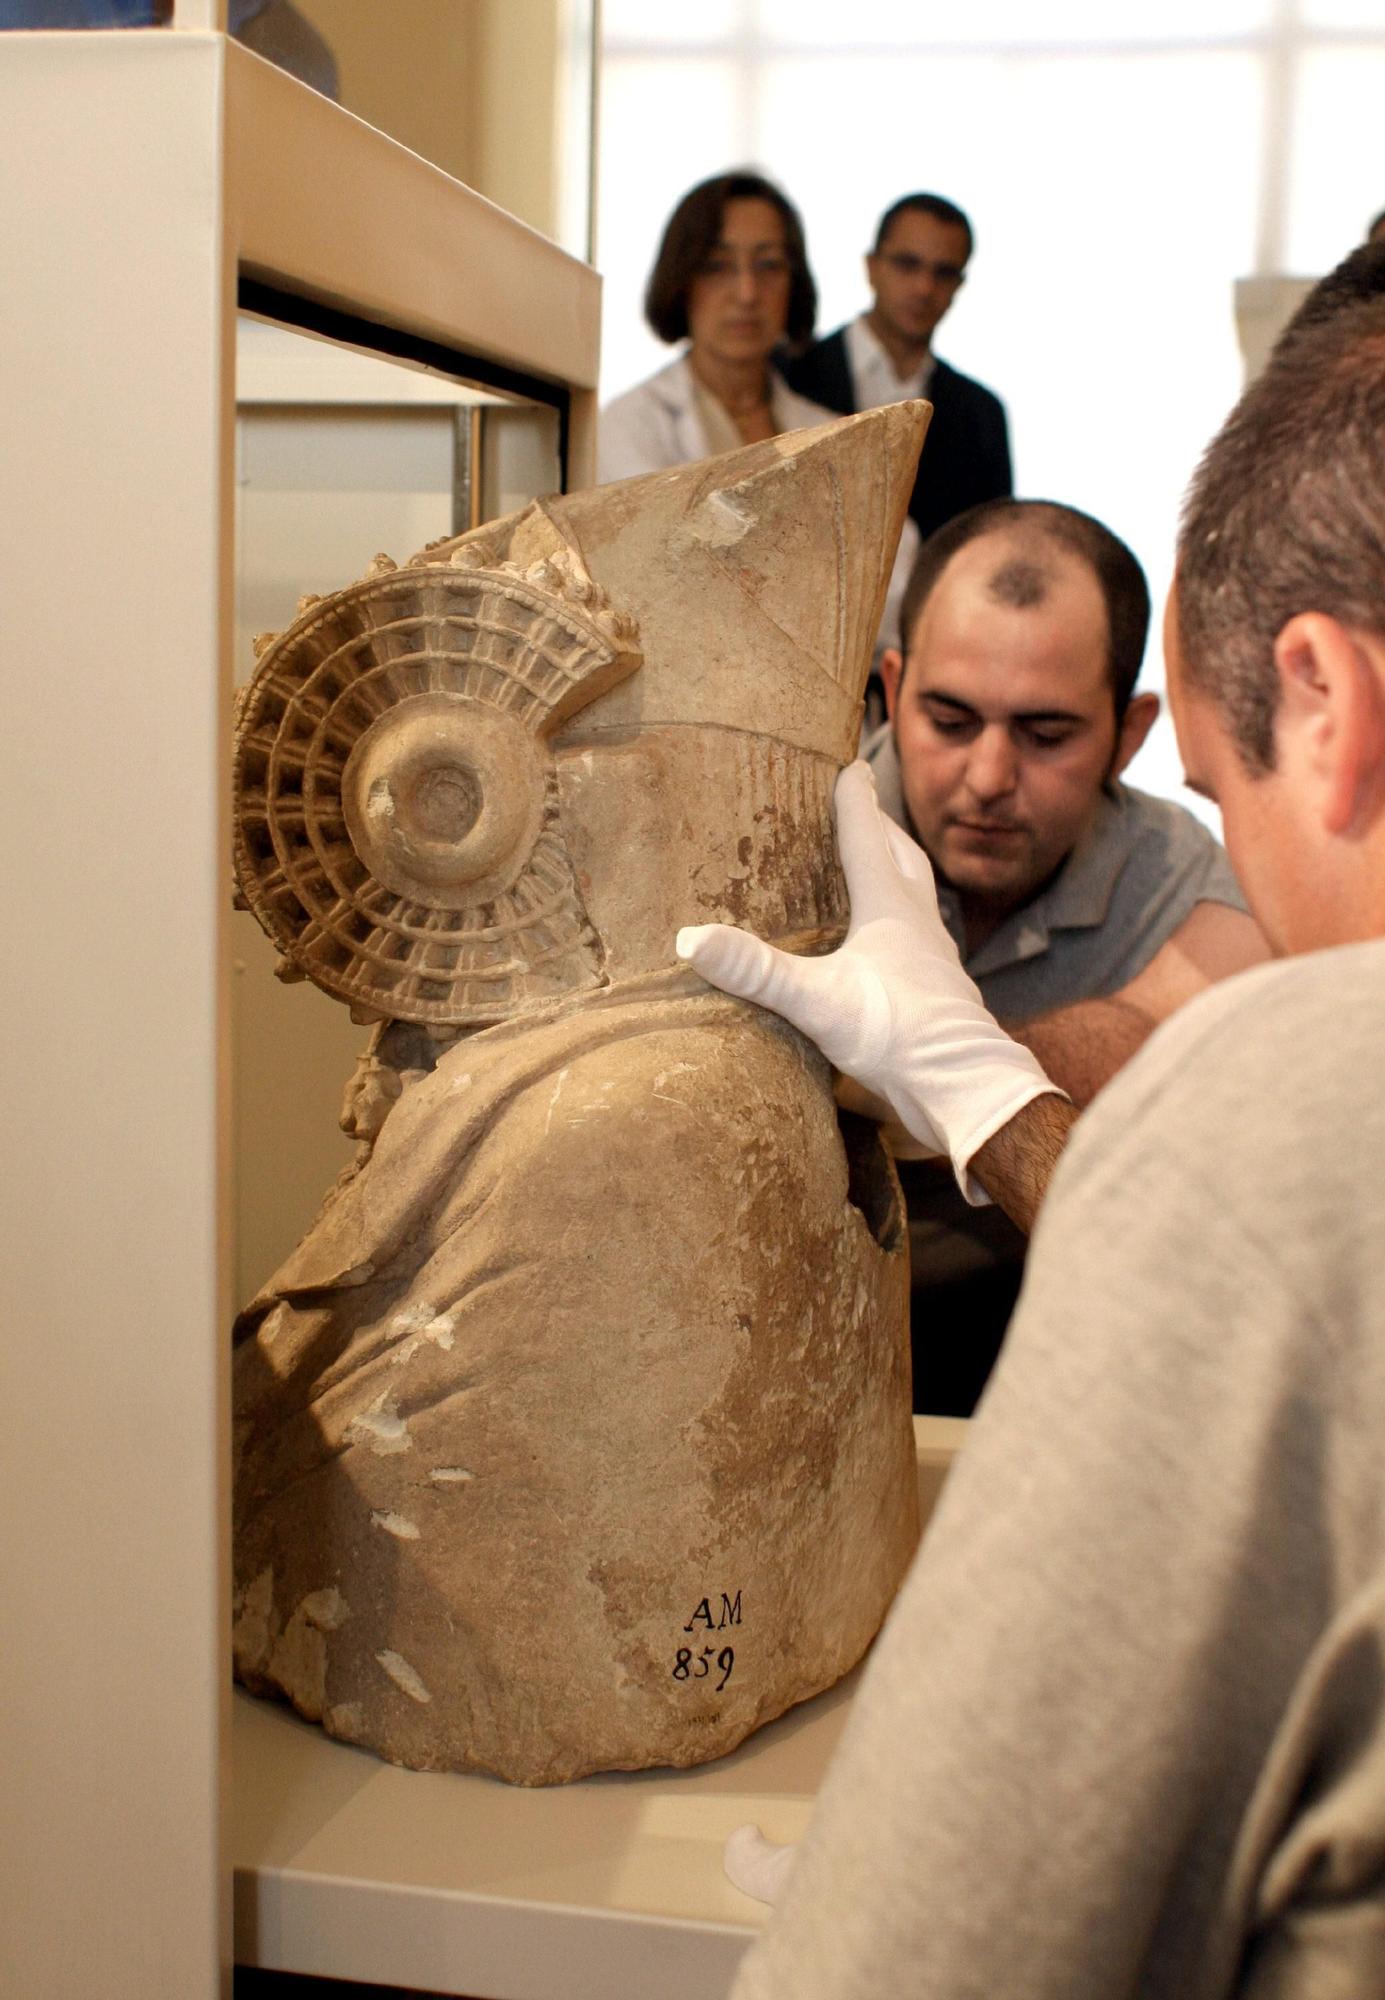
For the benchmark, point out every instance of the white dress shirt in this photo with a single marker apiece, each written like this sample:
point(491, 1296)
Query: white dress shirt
point(872, 371)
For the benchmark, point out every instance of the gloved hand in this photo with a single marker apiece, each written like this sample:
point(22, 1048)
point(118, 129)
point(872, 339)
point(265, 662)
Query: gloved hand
point(892, 1007)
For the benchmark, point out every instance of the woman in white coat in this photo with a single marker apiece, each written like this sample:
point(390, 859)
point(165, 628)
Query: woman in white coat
point(731, 279)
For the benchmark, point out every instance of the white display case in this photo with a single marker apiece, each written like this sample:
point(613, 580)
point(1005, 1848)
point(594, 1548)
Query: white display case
point(146, 176)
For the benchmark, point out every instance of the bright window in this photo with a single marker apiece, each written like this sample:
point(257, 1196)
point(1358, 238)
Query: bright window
point(1122, 166)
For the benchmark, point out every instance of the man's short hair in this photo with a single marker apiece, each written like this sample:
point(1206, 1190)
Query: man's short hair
point(1286, 512)
point(691, 234)
point(935, 205)
point(1359, 277)
point(1022, 580)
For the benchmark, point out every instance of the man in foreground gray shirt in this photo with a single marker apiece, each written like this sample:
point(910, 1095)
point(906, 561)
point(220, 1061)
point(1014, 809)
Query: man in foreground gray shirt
point(1124, 1734)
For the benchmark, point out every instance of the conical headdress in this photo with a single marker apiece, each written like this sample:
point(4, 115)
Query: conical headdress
point(397, 820)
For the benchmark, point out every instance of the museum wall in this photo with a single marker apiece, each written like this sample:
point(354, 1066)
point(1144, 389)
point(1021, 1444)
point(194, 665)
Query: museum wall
point(473, 85)
point(384, 53)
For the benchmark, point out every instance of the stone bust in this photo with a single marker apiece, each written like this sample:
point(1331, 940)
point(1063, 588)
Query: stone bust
point(576, 1433)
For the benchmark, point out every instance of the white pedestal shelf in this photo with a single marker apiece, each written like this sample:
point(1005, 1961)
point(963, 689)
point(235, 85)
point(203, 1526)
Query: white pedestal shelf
point(609, 1889)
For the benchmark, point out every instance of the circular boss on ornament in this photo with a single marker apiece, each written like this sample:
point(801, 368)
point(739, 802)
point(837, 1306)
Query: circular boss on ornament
point(395, 801)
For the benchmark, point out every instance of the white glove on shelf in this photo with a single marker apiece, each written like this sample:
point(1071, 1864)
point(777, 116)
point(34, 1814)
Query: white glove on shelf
point(892, 1007)
point(756, 1866)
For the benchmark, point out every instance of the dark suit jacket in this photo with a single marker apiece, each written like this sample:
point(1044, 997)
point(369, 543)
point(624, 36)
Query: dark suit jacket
point(966, 455)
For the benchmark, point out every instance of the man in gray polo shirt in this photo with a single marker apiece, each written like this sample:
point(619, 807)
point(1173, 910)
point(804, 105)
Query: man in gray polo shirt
point(1086, 911)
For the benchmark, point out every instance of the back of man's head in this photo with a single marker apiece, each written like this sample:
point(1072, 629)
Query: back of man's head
point(936, 205)
point(1286, 512)
point(1358, 279)
point(1029, 536)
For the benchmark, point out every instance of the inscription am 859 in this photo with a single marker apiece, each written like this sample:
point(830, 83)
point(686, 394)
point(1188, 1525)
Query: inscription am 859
point(690, 1666)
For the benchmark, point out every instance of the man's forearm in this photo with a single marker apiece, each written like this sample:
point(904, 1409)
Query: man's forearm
point(1016, 1165)
point(1081, 1047)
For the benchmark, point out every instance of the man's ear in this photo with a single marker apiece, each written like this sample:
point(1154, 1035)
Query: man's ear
point(1332, 714)
point(1140, 716)
point(892, 674)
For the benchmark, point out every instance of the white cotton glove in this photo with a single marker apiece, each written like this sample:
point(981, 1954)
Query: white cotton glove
point(756, 1866)
point(892, 1007)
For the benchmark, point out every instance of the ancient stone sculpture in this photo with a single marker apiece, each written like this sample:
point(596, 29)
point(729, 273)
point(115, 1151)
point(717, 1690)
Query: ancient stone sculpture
point(576, 1433)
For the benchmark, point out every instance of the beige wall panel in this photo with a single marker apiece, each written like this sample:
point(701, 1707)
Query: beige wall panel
point(410, 68)
point(519, 459)
point(518, 161)
point(319, 491)
point(473, 85)
point(293, 1051)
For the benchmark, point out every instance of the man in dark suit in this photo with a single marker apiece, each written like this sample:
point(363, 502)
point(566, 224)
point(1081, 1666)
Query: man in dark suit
point(916, 270)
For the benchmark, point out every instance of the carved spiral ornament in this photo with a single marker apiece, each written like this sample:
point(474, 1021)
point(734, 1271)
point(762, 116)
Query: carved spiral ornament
point(396, 809)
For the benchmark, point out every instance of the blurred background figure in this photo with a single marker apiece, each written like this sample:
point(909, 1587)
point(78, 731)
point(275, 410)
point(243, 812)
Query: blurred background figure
point(1376, 232)
point(916, 268)
point(732, 280)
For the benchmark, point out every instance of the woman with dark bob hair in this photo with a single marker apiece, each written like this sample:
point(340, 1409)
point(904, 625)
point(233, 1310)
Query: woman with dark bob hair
point(731, 279)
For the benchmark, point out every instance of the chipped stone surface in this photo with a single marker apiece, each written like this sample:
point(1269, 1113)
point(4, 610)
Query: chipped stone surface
point(395, 1524)
point(576, 1435)
point(404, 1676)
point(326, 1609)
point(382, 1426)
point(251, 1613)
